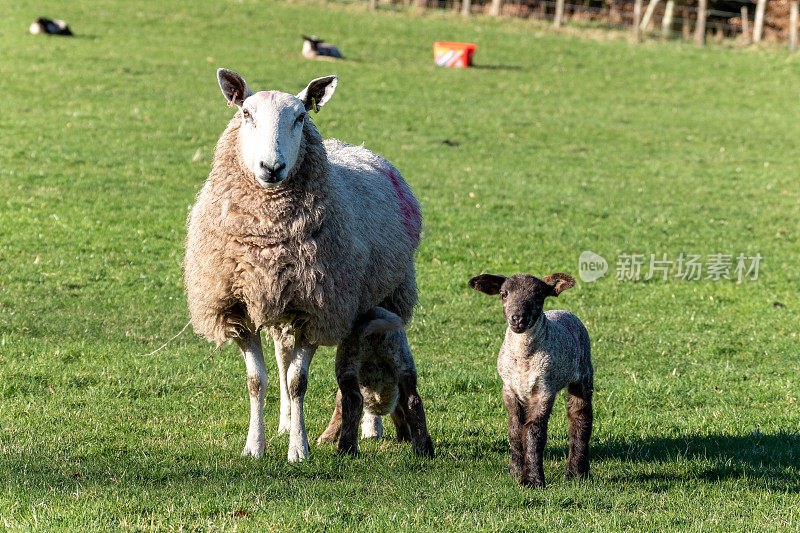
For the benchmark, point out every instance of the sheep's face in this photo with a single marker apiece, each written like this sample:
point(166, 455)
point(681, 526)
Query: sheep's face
point(522, 295)
point(271, 130)
point(270, 135)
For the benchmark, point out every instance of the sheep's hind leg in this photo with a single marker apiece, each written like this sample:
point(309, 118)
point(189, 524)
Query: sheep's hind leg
point(331, 434)
point(284, 350)
point(579, 413)
point(400, 424)
point(414, 412)
point(297, 377)
point(250, 345)
point(371, 426)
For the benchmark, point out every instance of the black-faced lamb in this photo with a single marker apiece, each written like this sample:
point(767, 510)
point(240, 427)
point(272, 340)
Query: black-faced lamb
point(314, 47)
point(374, 367)
point(543, 352)
point(297, 236)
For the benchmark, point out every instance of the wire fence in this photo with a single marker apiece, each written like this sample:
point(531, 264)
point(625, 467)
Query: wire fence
point(734, 19)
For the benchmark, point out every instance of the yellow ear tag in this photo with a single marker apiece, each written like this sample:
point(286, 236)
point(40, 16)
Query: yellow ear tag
point(314, 105)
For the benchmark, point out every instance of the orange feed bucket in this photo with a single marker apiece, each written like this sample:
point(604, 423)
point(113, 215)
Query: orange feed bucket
point(453, 54)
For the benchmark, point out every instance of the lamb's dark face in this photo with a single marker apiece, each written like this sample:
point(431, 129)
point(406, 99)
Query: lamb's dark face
point(523, 300)
point(522, 295)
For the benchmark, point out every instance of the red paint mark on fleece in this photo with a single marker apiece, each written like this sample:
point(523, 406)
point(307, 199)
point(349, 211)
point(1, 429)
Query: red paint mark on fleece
point(412, 218)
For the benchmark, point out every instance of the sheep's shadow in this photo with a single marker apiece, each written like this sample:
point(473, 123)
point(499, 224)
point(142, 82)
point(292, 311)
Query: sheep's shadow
point(772, 460)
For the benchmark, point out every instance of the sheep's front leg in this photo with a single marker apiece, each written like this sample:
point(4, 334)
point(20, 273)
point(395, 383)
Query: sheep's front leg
point(579, 413)
point(284, 350)
point(516, 420)
point(297, 384)
point(250, 345)
point(535, 436)
point(352, 403)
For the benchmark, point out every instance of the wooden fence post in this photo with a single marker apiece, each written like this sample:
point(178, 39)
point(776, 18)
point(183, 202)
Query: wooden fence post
point(666, 22)
point(466, 7)
point(373, 5)
point(637, 18)
point(700, 29)
point(686, 31)
point(745, 25)
point(495, 8)
point(648, 14)
point(758, 24)
point(793, 25)
point(559, 13)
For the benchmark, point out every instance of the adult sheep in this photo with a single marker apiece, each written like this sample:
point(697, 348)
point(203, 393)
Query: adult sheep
point(296, 236)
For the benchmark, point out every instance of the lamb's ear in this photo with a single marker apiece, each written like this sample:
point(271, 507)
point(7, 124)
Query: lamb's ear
point(318, 92)
point(487, 283)
point(559, 282)
point(233, 87)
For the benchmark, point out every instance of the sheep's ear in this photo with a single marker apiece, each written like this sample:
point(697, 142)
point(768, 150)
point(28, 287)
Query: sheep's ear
point(233, 87)
point(318, 92)
point(487, 283)
point(559, 282)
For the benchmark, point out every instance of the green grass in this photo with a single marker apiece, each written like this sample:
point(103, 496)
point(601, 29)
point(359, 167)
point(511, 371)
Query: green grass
point(565, 144)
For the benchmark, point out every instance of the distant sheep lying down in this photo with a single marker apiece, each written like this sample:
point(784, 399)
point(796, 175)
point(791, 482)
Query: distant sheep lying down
point(314, 47)
point(299, 237)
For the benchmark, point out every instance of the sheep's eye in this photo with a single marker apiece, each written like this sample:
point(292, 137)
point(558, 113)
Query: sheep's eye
point(245, 113)
point(503, 295)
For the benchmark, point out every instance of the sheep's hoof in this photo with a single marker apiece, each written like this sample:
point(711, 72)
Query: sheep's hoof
point(326, 438)
point(254, 449)
point(532, 483)
point(425, 449)
point(347, 449)
point(298, 453)
point(574, 474)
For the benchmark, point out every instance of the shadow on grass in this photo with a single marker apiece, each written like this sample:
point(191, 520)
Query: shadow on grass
point(771, 461)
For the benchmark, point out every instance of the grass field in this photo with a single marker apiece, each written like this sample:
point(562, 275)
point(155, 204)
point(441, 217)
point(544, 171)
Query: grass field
point(556, 144)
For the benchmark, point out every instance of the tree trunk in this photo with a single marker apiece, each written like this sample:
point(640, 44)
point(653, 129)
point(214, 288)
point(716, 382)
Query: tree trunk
point(758, 25)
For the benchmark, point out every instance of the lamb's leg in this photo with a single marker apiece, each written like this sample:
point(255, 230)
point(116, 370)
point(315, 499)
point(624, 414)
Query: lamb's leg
point(400, 424)
point(331, 434)
point(250, 345)
point(579, 413)
point(421, 442)
point(534, 436)
point(516, 420)
point(371, 426)
point(284, 349)
point(298, 383)
point(347, 366)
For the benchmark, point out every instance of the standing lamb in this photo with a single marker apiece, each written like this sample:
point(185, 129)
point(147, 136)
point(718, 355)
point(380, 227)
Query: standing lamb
point(375, 364)
point(297, 236)
point(542, 353)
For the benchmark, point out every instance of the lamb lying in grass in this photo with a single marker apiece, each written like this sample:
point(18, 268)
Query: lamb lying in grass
point(542, 353)
point(374, 368)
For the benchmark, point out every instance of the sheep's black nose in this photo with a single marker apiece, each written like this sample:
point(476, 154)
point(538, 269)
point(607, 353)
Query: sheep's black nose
point(516, 320)
point(272, 172)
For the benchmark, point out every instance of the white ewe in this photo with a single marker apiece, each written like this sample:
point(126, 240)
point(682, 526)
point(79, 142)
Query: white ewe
point(296, 236)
